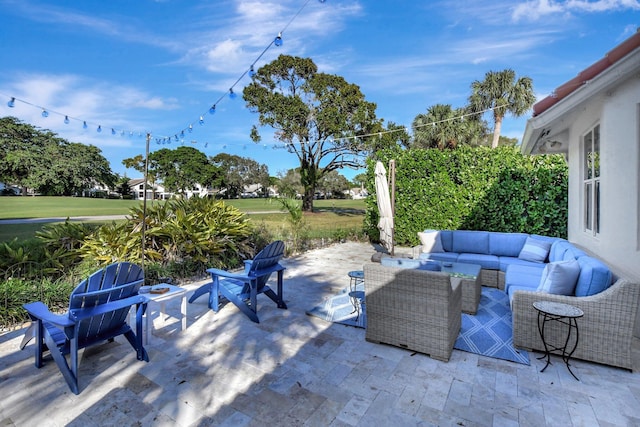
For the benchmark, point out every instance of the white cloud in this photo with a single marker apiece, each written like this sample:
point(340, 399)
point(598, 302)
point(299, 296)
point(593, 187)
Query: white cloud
point(534, 10)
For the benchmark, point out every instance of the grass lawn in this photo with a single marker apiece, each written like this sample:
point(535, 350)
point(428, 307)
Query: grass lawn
point(328, 216)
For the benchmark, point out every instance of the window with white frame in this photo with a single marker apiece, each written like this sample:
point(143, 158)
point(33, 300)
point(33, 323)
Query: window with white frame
point(591, 180)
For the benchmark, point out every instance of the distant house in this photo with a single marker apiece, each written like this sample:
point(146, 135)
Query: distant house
point(158, 192)
point(594, 120)
point(154, 191)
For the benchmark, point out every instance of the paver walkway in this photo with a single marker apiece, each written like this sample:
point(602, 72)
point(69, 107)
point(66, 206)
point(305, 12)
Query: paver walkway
point(292, 369)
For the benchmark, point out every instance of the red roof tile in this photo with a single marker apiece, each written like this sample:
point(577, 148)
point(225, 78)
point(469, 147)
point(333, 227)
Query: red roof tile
point(614, 55)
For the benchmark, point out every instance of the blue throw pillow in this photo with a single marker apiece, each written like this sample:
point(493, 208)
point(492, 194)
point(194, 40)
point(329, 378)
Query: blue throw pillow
point(560, 277)
point(535, 250)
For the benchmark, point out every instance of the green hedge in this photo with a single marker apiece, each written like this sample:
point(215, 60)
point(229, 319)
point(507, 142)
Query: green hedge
point(472, 188)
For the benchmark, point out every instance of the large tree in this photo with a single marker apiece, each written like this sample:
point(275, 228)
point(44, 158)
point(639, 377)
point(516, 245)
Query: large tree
point(319, 117)
point(504, 94)
point(183, 168)
point(241, 172)
point(39, 159)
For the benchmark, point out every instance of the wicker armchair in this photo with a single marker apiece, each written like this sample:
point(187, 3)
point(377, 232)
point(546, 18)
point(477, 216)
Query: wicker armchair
point(414, 309)
point(606, 330)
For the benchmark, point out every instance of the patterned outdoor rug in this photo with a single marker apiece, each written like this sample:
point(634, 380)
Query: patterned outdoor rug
point(489, 332)
point(340, 308)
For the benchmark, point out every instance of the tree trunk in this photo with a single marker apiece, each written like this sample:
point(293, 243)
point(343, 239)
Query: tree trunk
point(496, 132)
point(307, 199)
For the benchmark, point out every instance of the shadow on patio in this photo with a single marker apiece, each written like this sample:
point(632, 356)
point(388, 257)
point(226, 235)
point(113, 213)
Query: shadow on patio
point(293, 369)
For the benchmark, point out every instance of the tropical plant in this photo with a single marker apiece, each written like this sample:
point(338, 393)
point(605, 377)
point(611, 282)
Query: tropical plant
point(197, 233)
point(502, 93)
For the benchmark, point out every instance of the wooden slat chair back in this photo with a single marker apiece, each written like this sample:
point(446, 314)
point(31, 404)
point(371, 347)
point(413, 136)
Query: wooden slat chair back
point(98, 311)
point(242, 288)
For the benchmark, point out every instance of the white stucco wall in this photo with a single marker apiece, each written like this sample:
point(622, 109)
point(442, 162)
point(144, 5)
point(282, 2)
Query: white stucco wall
point(618, 114)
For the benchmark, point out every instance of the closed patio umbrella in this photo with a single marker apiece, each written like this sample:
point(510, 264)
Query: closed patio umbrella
point(385, 224)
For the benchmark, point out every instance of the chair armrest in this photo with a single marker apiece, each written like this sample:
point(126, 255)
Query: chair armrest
point(83, 313)
point(39, 311)
point(228, 274)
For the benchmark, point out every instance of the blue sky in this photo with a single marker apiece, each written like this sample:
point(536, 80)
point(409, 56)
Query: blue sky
point(157, 66)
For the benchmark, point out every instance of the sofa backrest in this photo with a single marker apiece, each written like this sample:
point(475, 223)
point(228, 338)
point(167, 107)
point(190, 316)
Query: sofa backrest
point(562, 250)
point(468, 241)
point(594, 276)
point(446, 236)
point(506, 244)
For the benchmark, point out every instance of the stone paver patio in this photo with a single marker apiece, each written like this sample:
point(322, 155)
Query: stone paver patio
point(293, 369)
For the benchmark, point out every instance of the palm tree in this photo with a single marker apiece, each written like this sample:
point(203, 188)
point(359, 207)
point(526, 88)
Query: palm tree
point(501, 92)
point(444, 127)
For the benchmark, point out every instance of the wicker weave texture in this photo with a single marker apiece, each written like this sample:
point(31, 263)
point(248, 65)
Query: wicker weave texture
point(414, 309)
point(606, 330)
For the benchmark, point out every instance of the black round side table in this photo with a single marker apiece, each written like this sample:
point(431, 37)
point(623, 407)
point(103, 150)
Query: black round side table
point(562, 313)
point(355, 278)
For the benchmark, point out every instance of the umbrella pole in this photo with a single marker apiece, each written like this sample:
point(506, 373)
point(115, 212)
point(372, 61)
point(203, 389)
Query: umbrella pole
point(392, 185)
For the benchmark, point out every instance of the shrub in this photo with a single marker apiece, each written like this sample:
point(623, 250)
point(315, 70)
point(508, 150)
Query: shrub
point(475, 188)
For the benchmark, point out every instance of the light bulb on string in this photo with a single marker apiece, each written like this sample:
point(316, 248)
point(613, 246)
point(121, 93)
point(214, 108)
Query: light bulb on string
point(252, 72)
point(84, 125)
point(99, 129)
point(206, 144)
point(224, 147)
point(232, 94)
point(113, 131)
point(322, 1)
point(66, 120)
point(182, 134)
point(12, 102)
point(176, 137)
point(45, 113)
point(122, 133)
point(190, 128)
point(278, 40)
point(201, 120)
point(212, 110)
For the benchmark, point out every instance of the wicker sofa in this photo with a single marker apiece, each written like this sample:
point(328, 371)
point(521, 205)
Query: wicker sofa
point(609, 301)
point(418, 310)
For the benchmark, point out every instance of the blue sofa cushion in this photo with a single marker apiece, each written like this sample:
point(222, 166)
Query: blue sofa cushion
point(430, 241)
point(562, 250)
point(506, 244)
point(418, 264)
point(594, 277)
point(535, 250)
point(440, 256)
point(488, 262)
point(506, 261)
point(446, 236)
point(560, 277)
point(476, 242)
point(523, 277)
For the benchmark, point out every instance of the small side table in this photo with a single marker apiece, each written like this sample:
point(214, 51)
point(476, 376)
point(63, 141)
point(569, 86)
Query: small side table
point(356, 277)
point(562, 313)
point(161, 299)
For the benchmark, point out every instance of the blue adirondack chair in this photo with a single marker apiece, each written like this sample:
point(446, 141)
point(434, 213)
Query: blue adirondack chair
point(98, 311)
point(243, 288)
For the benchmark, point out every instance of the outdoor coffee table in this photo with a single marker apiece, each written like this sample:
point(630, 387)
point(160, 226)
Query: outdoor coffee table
point(565, 314)
point(159, 300)
point(469, 275)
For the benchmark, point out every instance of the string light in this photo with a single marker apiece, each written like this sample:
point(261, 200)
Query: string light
point(277, 41)
point(66, 120)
